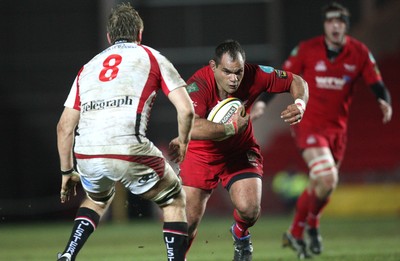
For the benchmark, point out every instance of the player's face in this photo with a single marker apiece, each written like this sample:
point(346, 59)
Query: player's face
point(229, 73)
point(335, 31)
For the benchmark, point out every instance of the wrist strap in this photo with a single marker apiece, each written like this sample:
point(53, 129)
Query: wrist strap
point(300, 103)
point(67, 172)
point(230, 129)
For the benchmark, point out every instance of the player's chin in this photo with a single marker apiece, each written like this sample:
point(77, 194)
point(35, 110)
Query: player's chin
point(232, 89)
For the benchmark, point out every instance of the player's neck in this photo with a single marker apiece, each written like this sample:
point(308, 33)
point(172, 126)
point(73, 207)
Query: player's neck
point(335, 46)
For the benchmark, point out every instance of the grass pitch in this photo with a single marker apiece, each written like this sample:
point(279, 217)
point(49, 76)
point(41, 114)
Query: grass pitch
point(345, 239)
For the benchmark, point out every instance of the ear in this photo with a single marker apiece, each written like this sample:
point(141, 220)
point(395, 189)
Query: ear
point(213, 65)
point(108, 38)
point(139, 40)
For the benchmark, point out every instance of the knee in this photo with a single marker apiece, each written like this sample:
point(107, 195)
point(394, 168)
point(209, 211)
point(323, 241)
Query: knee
point(250, 212)
point(101, 200)
point(326, 185)
point(324, 174)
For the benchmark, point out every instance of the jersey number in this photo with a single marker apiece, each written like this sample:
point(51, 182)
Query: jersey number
point(110, 69)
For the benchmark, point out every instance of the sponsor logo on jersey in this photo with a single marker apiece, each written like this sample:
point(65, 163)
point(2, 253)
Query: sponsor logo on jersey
point(266, 69)
point(106, 104)
point(332, 83)
point(350, 67)
point(320, 66)
point(281, 74)
point(311, 139)
point(192, 87)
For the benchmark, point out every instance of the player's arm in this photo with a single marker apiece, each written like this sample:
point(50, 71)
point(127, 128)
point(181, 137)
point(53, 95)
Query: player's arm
point(207, 130)
point(65, 140)
point(383, 97)
point(299, 91)
point(185, 114)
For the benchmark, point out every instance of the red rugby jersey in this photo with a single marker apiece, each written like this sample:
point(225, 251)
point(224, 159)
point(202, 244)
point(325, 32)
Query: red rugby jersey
point(202, 89)
point(331, 84)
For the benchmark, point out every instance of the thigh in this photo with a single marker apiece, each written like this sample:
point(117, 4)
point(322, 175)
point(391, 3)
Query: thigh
point(196, 200)
point(246, 194)
point(94, 175)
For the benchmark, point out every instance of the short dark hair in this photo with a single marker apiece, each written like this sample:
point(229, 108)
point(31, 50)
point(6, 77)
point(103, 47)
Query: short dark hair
point(336, 10)
point(124, 23)
point(232, 47)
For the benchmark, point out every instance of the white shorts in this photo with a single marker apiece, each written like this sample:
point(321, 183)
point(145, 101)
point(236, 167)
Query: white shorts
point(139, 170)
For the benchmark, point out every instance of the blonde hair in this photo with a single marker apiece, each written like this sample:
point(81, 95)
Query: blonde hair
point(124, 23)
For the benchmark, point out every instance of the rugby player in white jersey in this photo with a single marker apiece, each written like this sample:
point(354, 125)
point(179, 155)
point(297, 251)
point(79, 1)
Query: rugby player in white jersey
point(110, 103)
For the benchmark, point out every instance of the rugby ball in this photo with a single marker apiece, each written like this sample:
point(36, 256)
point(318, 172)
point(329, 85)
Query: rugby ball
point(224, 110)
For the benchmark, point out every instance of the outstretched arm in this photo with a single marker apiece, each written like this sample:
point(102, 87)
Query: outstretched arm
point(65, 141)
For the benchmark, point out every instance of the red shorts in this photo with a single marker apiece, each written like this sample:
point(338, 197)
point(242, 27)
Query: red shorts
point(206, 175)
point(335, 140)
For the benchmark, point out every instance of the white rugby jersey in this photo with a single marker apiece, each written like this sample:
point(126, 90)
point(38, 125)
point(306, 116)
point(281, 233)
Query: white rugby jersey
point(115, 92)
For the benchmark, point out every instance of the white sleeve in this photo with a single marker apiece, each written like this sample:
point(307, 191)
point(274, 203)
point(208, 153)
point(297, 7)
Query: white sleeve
point(72, 99)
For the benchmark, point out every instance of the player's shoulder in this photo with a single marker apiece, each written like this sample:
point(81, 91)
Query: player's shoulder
point(202, 75)
point(202, 79)
point(356, 44)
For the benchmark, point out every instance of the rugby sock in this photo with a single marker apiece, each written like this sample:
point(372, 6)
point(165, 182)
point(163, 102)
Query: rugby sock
point(315, 209)
point(86, 221)
point(241, 227)
point(300, 216)
point(190, 242)
point(176, 240)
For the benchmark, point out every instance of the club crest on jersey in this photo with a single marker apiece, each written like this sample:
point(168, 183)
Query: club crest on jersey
point(266, 69)
point(320, 66)
point(281, 74)
point(192, 87)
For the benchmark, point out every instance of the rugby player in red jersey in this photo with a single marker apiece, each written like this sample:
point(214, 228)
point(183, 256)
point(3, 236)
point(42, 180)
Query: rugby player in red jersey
point(235, 161)
point(331, 64)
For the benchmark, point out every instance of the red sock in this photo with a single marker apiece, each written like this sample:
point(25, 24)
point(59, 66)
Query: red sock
point(315, 210)
point(300, 216)
point(241, 227)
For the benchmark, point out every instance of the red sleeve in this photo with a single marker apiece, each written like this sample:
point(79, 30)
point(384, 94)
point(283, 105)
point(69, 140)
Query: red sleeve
point(274, 80)
point(370, 70)
point(200, 88)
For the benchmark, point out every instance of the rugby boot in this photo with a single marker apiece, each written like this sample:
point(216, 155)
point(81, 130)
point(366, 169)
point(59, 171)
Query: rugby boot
point(63, 257)
point(297, 245)
point(315, 241)
point(243, 248)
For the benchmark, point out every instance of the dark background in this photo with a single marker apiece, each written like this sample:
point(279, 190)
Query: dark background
point(44, 43)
